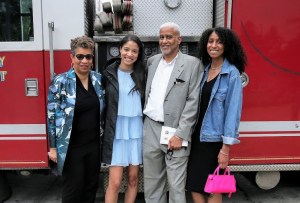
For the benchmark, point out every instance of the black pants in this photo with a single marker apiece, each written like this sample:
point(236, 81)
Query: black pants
point(81, 174)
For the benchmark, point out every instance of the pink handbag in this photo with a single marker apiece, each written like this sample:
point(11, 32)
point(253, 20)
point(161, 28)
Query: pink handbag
point(220, 183)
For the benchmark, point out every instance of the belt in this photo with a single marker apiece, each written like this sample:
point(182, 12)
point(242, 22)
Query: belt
point(162, 123)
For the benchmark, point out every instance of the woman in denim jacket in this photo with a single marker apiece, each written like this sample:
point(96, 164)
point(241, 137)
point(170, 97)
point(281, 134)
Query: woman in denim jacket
point(220, 109)
point(75, 103)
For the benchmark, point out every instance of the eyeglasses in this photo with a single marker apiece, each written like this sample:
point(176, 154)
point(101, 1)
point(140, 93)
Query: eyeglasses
point(82, 56)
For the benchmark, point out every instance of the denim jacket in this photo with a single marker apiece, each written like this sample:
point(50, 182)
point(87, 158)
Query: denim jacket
point(222, 117)
point(61, 105)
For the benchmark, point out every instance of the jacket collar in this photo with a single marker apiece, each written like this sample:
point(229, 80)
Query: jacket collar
point(178, 68)
point(113, 69)
point(111, 72)
point(71, 73)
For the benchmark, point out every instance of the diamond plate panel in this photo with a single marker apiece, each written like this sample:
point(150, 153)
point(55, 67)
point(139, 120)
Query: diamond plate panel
point(265, 167)
point(193, 16)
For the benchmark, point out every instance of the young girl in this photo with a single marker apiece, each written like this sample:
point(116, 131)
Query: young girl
point(124, 82)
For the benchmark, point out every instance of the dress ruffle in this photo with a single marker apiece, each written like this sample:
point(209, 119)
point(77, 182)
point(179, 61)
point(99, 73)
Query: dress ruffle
point(129, 127)
point(126, 152)
point(127, 146)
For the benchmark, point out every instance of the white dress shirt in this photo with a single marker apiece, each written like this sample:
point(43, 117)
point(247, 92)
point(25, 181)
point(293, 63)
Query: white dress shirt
point(155, 105)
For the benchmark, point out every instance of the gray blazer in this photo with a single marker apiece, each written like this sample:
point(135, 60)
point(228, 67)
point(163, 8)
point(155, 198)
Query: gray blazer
point(182, 95)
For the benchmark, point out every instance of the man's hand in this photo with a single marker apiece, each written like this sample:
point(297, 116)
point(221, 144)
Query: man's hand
point(175, 143)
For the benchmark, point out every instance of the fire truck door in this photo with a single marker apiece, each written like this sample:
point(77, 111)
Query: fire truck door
point(23, 138)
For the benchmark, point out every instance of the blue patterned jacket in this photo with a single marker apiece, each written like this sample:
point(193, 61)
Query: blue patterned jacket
point(61, 105)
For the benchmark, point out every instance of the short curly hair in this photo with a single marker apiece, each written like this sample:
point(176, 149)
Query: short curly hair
point(233, 50)
point(172, 25)
point(82, 42)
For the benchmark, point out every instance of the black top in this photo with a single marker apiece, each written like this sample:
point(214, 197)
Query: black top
point(86, 121)
point(205, 97)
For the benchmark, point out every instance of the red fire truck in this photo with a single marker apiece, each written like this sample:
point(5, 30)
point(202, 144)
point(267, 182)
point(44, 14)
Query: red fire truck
point(34, 45)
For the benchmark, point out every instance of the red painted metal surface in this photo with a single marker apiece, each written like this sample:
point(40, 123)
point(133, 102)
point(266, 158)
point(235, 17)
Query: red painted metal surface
point(270, 33)
point(17, 108)
point(24, 154)
point(266, 150)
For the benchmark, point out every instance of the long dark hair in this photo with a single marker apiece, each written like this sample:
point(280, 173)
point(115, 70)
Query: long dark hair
point(233, 50)
point(138, 74)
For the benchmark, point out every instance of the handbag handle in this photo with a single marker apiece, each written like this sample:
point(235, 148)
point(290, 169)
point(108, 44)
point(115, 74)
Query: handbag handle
point(226, 171)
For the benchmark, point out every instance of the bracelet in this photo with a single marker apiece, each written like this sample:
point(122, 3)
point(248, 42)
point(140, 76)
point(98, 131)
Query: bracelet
point(223, 153)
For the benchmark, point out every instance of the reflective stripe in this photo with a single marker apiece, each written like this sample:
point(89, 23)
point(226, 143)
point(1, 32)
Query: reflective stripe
point(269, 126)
point(21, 162)
point(22, 129)
point(23, 138)
point(244, 129)
point(270, 129)
point(270, 135)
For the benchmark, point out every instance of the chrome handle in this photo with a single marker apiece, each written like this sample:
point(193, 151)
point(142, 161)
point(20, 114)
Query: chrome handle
point(51, 29)
point(31, 87)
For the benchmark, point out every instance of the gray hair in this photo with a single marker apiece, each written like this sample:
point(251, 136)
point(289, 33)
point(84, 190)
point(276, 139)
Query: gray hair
point(82, 42)
point(171, 25)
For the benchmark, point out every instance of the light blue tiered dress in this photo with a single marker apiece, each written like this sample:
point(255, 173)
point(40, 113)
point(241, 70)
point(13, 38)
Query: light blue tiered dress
point(127, 146)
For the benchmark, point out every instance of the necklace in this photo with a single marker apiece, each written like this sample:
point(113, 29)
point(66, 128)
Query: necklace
point(215, 68)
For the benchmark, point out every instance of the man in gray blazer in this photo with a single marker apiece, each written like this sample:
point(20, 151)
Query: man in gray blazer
point(172, 96)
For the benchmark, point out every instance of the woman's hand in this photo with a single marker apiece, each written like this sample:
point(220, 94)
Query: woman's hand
point(53, 155)
point(223, 157)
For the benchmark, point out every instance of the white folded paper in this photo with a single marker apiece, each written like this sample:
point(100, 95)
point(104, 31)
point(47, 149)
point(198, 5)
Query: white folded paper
point(167, 133)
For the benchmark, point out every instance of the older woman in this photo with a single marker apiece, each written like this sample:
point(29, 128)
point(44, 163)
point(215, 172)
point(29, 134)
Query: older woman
point(75, 103)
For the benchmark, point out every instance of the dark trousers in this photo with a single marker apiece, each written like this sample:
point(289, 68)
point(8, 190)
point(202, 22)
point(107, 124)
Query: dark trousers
point(81, 174)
